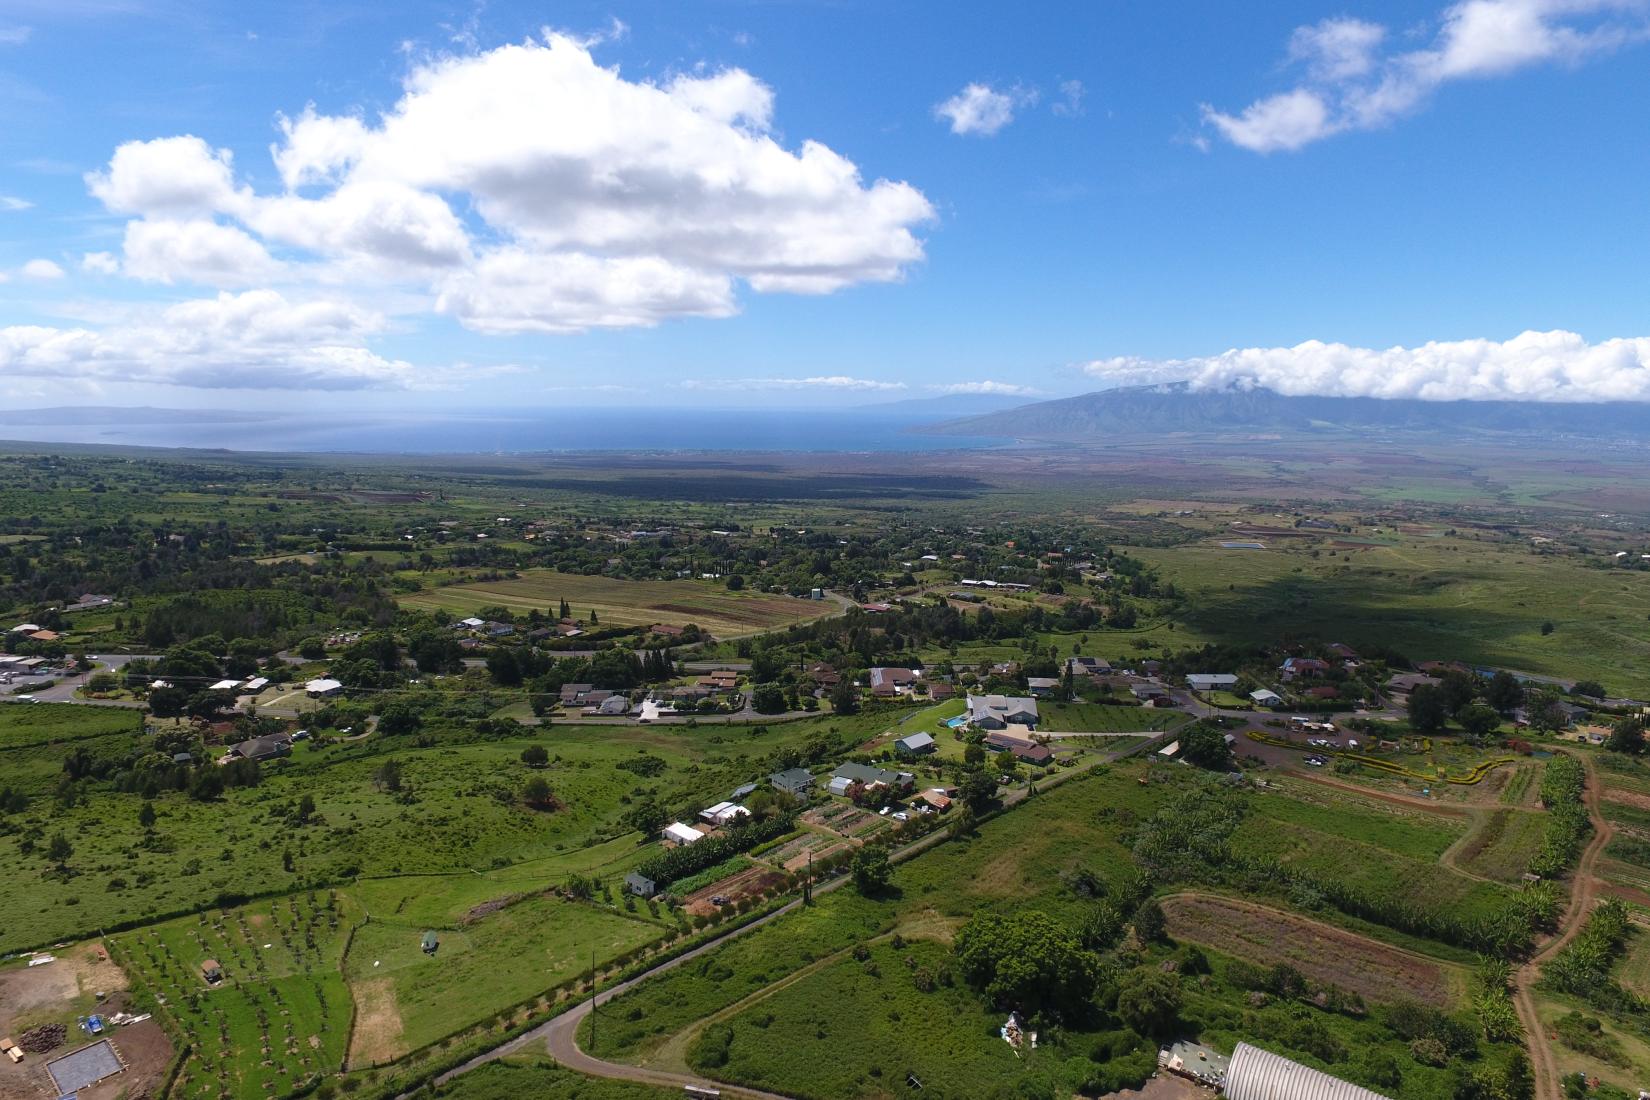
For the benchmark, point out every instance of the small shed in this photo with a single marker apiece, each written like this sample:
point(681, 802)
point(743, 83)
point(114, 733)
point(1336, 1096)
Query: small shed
point(211, 971)
point(430, 942)
point(915, 743)
point(640, 885)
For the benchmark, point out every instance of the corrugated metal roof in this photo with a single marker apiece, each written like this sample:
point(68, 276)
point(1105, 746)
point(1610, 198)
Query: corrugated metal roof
point(1257, 1074)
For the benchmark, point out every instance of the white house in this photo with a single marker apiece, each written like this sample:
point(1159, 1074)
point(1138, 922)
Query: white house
point(1211, 681)
point(320, 689)
point(255, 685)
point(1265, 698)
point(995, 712)
point(677, 833)
point(225, 685)
point(723, 812)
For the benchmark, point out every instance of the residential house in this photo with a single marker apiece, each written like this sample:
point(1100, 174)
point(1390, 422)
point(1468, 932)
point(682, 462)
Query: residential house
point(255, 685)
point(1027, 752)
point(915, 744)
point(1088, 666)
point(1303, 668)
point(936, 798)
point(939, 691)
point(798, 782)
point(614, 706)
point(824, 675)
point(1009, 669)
point(1212, 681)
point(573, 694)
point(1042, 687)
point(1344, 652)
point(497, 630)
point(665, 630)
point(261, 748)
point(889, 682)
point(1148, 692)
point(45, 636)
point(995, 712)
point(850, 775)
point(1265, 698)
point(640, 885)
point(323, 689)
point(471, 623)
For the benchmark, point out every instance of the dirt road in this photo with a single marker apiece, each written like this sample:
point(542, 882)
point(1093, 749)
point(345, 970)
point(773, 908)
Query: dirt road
point(1547, 1086)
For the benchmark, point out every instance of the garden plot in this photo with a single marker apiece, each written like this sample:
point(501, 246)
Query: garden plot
point(278, 1015)
point(1373, 970)
point(746, 884)
point(845, 820)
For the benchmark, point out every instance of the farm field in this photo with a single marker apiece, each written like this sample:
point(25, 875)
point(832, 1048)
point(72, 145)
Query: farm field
point(280, 1014)
point(1375, 971)
point(1627, 1073)
point(1450, 599)
point(617, 602)
point(1503, 845)
point(26, 725)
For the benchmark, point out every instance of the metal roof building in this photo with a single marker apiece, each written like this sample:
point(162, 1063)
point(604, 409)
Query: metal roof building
point(1256, 1074)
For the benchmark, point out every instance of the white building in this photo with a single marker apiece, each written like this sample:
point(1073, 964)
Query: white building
point(320, 689)
point(677, 833)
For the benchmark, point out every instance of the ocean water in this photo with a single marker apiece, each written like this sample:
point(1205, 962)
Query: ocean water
point(602, 429)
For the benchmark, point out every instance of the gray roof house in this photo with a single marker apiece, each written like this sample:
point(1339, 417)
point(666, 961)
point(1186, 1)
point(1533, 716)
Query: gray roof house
point(914, 743)
point(796, 781)
point(261, 748)
point(1042, 686)
point(846, 775)
point(640, 885)
point(997, 712)
point(1211, 681)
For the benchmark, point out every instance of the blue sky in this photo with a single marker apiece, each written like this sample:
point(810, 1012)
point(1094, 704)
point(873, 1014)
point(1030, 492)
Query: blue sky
point(575, 204)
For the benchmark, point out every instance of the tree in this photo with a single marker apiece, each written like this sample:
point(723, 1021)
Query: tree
point(1148, 921)
point(1478, 720)
point(400, 717)
point(306, 809)
point(1590, 688)
point(735, 582)
point(59, 851)
point(563, 611)
point(1148, 1000)
point(977, 791)
point(768, 699)
point(845, 697)
point(647, 817)
point(1205, 746)
point(535, 756)
point(146, 816)
point(1504, 692)
point(537, 793)
point(388, 776)
point(1427, 709)
point(1627, 736)
point(168, 702)
point(871, 870)
point(1026, 961)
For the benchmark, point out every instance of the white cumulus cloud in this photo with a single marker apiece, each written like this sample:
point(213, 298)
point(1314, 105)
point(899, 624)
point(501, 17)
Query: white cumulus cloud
point(528, 188)
point(1351, 81)
point(12, 204)
point(257, 339)
point(43, 270)
point(983, 110)
point(1553, 366)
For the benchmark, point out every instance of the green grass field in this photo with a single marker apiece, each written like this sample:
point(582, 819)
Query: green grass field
point(539, 1079)
point(627, 603)
point(1102, 718)
point(1452, 599)
point(480, 968)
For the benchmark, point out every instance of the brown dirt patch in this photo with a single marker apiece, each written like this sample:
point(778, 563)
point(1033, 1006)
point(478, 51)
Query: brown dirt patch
point(1166, 1087)
point(1627, 798)
point(146, 1052)
point(32, 994)
point(747, 883)
point(377, 1034)
point(1332, 956)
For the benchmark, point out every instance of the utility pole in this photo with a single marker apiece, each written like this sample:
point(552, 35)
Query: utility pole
point(592, 998)
point(808, 882)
